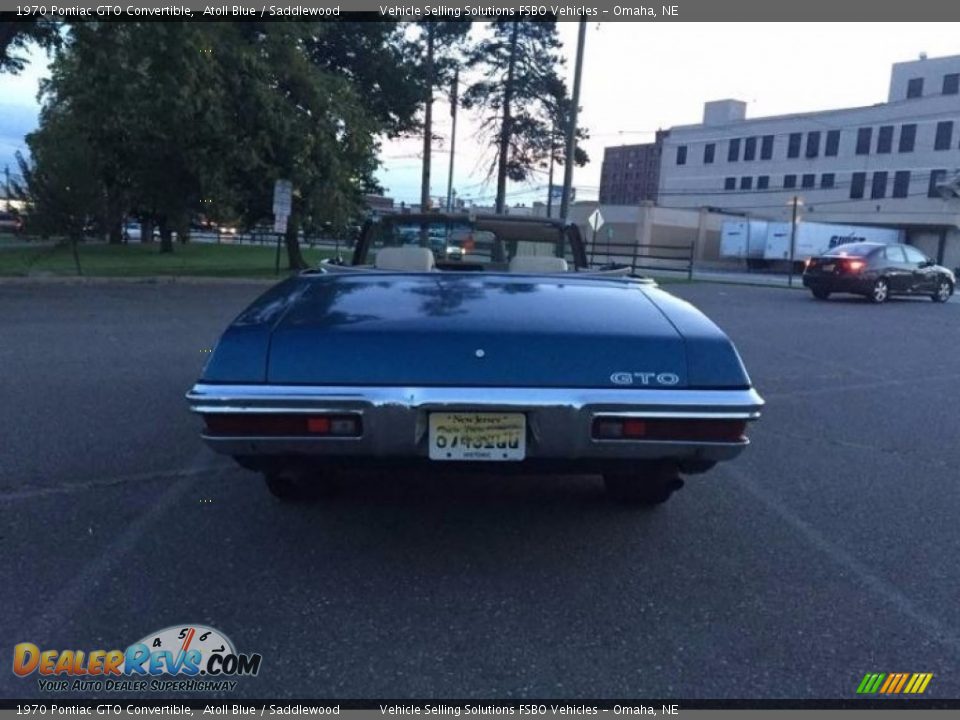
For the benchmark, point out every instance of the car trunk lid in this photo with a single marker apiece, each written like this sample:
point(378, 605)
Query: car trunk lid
point(464, 329)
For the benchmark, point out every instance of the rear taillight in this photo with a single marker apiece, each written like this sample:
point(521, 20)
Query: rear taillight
point(282, 425)
point(669, 429)
point(855, 266)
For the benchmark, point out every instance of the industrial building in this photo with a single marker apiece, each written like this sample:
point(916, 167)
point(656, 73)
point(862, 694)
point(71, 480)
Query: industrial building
point(894, 164)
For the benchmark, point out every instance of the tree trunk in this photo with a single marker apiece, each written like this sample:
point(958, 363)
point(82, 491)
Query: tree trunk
point(114, 218)
point(76, 253)
point(146, 231)
point(427, 124)
point(292, 241)
point(506, 129)
point(166, 237)
point(553, 154)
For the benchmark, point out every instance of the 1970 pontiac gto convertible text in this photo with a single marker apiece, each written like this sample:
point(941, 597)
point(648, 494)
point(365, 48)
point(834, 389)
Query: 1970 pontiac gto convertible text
point(461, 343)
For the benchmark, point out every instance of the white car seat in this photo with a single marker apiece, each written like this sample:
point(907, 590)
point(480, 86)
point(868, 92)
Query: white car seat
point(538, 264)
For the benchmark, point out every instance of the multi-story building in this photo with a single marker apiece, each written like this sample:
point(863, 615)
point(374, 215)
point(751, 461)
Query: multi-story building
point(630, 174)
point(894, 164)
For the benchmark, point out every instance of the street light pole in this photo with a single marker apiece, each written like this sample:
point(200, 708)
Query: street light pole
point(572, 126)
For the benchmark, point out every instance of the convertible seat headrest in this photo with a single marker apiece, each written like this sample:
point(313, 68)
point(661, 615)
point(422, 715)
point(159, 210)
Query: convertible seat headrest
point(538, 264)
point(405, 259)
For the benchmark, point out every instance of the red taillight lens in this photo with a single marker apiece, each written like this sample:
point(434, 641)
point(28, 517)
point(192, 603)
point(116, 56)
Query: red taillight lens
point(319, 425)
point(855, 265)
point(669, 429)
point(282, 425)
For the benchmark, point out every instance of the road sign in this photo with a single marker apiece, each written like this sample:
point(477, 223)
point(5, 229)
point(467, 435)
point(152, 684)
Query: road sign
point(279, 223)
point(595, 220)
point(282, 197)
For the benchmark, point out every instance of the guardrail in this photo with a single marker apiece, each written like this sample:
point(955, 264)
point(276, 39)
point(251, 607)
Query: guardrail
point(676, 258)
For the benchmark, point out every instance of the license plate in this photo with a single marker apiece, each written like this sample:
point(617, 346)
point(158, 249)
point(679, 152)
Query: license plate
point(478, 436)
point(827, 268)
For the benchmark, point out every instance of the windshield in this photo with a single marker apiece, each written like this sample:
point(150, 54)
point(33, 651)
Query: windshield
point(462, 244)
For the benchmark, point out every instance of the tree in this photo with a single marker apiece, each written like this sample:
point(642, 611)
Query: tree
point(74, 121)
point(442, 44)
point(189, 118)
point(301, 121)
point(16, 36)
point(324, 94)
point(148, 102)
point(57, 181)
point(379, 63)
point(517, 98)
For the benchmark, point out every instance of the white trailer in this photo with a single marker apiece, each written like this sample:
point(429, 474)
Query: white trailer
point(743, 239)
point(816, 238)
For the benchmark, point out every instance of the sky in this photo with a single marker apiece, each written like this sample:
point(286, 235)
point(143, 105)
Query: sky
point(637, 77)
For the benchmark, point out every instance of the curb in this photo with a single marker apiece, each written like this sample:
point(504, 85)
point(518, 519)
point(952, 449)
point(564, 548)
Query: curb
point(145, 280)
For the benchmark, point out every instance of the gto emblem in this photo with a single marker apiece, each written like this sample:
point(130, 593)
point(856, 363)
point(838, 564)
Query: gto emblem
point(644, 378)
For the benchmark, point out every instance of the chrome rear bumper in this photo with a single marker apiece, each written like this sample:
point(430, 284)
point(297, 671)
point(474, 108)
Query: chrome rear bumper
point(395, 419)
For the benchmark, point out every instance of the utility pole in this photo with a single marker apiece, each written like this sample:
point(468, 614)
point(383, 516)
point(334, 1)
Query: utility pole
point(793, 238)
point(453, 137)
point(572, 127)
point(427, 124)
point(6, 176)
point(506, 129)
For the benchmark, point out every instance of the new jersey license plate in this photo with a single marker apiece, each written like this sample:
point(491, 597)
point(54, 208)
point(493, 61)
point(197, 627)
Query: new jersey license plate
point(478, 436)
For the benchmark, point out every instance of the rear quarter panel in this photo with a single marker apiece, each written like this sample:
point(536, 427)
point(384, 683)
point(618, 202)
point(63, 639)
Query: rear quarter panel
point(712, 359)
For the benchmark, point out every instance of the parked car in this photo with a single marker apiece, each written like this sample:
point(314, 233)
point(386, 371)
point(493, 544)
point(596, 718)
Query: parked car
point(877, 271)
point(515, 357)
point(133, 231)
point(11, 223)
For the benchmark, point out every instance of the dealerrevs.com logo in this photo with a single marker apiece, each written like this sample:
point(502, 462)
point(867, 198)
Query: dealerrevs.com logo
point(178, 658)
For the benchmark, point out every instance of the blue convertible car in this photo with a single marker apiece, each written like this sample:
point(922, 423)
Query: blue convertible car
point(463, 343)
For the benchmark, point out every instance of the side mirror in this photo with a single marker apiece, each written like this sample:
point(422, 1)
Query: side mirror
point(927, 263)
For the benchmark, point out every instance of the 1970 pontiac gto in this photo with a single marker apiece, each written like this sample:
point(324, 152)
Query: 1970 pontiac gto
point(462, 343)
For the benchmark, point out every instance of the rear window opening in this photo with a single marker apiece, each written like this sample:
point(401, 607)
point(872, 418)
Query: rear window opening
point(854, 249)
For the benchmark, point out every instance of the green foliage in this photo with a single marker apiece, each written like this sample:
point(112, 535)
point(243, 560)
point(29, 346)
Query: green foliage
point(380, 64)
point(63, 198)
point(186, 119)
point(15, 37)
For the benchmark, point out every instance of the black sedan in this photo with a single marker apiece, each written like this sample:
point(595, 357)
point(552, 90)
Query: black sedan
point(877, 271)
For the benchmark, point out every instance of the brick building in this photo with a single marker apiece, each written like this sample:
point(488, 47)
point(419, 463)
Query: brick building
point(631, 173)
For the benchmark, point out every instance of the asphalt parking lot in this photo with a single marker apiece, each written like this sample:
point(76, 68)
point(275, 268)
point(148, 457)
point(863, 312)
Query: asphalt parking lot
point(827, 551)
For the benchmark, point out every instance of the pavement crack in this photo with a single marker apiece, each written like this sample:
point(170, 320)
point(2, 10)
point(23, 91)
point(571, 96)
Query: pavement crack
point(831, 390)
point(937, 463)
point(12, 494)
point(891, 594)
